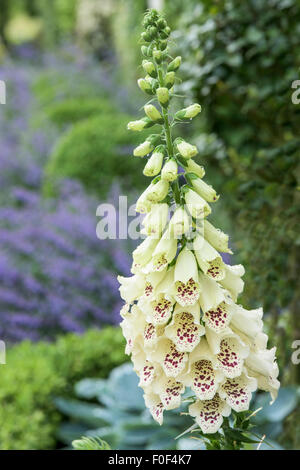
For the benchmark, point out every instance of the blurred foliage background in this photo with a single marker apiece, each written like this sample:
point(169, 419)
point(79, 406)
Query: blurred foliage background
point(70, 67)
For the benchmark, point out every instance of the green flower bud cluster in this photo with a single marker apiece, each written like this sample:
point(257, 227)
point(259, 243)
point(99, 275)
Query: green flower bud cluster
point(159, 81)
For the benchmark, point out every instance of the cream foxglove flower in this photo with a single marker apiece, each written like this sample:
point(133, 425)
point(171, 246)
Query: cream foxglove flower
point(202, 376)
point(196, 205)
point(189, 113)
point(143, 205)
point(232, 280)
point(154, 164)
point(216, 237)
point(169, 171)
point(185, 149)
point(156, 220)
point(158, 191)
point(209, 414)
point(133, 326)
point(187, 288)
point(206, 191)
point(143, 149)
point(230, 351)
point(193, 167)
point(180, 223)
point(155, 406)
point(211, 295)
point(172, 361)
point(157, 311)
point(169, 391)
point(153, 280)
point(237, 392)
point(209, 259)
point(164, 253)
point(131, 287)
point(143, 253)
point(185, 330)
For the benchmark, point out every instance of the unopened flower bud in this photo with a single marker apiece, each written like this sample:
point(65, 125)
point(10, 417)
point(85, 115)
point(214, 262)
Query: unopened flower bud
point(169, 79)
point(179, 223)
point(188, 113)
point(143, 149)
point(158, 191)
point(153, 113)
point(158, 55)
point(154, 163)
point(145, 86)
point(205, 190)
point(185, 149)
point(163, 44)
point(140, 124)
point(161, 23)
point(169, 171)
point(193, 167)
point(163, 96)
point(175, 64)
point(197, 206)
point(149, 68)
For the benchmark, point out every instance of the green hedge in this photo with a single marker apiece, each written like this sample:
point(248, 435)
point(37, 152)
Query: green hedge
point(72, 110)
point(36, 373)
point(97, 152)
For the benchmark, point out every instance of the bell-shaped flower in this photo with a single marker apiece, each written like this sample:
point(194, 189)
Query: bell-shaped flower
point(211, 295)
point(185, 330)
point(158, 191)
point(263, 366)
point(193, 167)
point(185, 149)
point(169, 391)
point(237, 392)
point(164, 253)
point(154, 164)
point(143, 205)
point(232, 280)
point(151, 334)
point(230, 351)
point(143, 149)
point(209, 259)
point(156, 220)
point(153, 113)
point(188, 113)
point(143, 253)
point(131, 287)
point(169, 171)
point(218, 318)
point(202, 376)
point(155, 406)
point(158, 311)
point(187, 288)
point(206, 191)
point(216, 237)
point(180, 223)
point(248, 322)
point(196, 205)
point(172, 361)
point(152, 281)
point(209, 414)
point(133, 327)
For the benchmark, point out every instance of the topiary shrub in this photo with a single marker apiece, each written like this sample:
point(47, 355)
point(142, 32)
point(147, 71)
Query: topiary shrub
point(73, 110)
point(36, 373)
point(95, 152)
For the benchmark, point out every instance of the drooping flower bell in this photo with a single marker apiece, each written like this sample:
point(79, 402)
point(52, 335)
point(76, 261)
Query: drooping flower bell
point(181, 320)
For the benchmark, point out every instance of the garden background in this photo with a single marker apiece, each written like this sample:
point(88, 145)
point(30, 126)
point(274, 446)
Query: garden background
point(70, 68)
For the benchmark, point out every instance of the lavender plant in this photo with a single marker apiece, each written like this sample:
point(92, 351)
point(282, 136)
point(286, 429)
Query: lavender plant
point(181, 319)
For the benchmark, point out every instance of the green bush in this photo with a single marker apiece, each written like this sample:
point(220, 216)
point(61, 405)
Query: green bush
point(72, 110)
point(97, 152)
point(36, 373)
